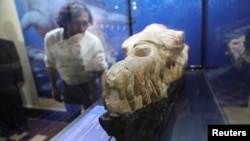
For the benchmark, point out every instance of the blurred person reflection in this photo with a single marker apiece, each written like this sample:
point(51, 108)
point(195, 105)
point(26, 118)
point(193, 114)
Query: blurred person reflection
point(246, 55)
point(11, 106)
point(77, 55)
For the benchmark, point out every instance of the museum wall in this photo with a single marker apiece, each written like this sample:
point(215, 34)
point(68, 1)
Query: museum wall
point(10, 30)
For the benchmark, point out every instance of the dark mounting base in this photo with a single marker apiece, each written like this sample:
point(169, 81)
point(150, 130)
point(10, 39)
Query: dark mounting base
point(146, 124)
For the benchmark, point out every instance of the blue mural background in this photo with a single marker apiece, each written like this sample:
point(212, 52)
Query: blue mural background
point(226, 20)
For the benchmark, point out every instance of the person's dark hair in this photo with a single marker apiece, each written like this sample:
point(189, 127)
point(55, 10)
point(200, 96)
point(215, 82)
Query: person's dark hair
point(70, 11)
point(247, 39)
point(247, 34)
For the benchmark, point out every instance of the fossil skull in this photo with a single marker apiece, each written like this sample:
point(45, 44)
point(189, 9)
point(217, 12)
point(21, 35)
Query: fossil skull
point(155, 57)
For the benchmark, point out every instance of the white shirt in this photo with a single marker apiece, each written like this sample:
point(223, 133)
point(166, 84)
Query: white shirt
point(76, 58)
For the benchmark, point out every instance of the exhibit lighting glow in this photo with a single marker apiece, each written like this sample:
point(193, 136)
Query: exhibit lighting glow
point(134, 7)
point(116, 6)
point(134, 3)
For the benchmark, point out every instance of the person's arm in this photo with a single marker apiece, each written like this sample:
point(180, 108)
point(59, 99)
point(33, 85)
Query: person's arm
point(100, 63)
point(54, 90)
point(50, 64)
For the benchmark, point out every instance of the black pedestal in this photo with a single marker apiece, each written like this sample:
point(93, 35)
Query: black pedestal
point(146, 124)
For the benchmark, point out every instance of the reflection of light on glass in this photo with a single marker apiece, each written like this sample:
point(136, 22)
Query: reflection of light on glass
point(116, 6)
point(134, 7)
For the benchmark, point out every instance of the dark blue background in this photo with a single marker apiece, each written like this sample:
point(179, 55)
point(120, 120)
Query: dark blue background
point(226, 19)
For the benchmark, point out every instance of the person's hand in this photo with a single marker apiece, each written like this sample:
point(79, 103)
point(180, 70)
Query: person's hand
point(56, 95)
point(103, 93)
point(20, 84)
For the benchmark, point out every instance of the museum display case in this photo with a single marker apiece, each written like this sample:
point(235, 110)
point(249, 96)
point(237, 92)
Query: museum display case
point(212, 88)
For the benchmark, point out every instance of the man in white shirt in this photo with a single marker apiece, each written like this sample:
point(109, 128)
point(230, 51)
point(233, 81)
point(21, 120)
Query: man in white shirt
point(77, 55)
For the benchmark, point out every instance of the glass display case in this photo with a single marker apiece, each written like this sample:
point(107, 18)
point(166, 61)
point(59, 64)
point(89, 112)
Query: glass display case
point(216, 84)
